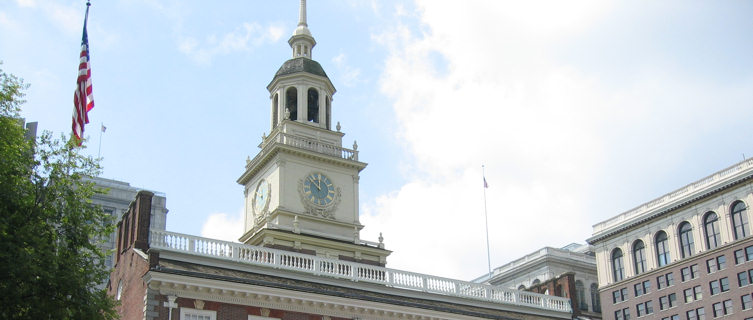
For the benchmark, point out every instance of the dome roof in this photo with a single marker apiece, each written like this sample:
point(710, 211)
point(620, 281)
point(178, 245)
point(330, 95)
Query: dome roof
point(301, 65)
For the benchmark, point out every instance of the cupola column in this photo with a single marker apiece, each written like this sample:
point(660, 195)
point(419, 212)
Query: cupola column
point(322, 108)
point(302, 103)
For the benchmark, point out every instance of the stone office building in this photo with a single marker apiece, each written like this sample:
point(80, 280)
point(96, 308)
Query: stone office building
point(686, 255)
point(301, 255)
point(568, 272)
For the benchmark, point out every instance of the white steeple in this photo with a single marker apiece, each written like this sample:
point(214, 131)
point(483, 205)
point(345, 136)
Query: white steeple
point(302, 42)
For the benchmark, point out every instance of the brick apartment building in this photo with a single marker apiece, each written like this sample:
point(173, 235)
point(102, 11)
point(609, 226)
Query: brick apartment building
point(686, 255)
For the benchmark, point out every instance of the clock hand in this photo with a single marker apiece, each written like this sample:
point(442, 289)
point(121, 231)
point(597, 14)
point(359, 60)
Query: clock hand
point(312, 182)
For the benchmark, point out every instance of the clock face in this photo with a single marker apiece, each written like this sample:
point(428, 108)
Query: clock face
point(318, 189)
point(261, 196)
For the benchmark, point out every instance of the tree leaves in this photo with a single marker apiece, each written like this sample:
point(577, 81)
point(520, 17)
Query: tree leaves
point(49, 261)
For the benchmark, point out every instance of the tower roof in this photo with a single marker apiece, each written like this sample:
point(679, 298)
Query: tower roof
point(301, 65)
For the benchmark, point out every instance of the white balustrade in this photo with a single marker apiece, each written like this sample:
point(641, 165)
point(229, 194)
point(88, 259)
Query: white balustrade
point(266, 257)
point(303, 143)
point(688, 190)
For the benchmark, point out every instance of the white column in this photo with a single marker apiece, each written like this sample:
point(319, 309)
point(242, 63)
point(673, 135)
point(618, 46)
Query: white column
point(322, 109)
point(303, 105)
point(725, 222)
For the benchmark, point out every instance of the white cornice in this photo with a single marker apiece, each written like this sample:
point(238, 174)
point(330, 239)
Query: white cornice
point(306, 302)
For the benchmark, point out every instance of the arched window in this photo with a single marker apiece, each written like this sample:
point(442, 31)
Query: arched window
point(580, 295)
point(662, 248)
point(328, 111)
point(313, 105)
point(686, 240)
point(618, 269)
point(275, 108)
point(639, 257)
point(711, 226)
point(739, 220)
point(291, 103)
point(535, 282)
point(521, 287)
point(595, 299)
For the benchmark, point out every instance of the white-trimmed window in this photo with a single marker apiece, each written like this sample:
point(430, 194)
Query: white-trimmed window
point(196, 314)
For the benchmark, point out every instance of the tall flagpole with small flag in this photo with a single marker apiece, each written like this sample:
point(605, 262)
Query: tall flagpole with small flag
point(486, 218)
point(99, 150)
point(83, 100)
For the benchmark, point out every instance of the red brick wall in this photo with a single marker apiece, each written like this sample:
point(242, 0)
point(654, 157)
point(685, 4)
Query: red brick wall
point(128, 271)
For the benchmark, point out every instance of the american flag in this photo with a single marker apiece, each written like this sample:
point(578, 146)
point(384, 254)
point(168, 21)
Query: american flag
point(83, 100)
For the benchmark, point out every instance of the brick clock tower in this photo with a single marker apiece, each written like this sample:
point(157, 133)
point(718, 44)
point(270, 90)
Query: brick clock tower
point(301, 189)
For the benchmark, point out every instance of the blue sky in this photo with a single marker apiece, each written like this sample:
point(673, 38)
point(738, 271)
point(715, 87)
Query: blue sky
point(580, 110)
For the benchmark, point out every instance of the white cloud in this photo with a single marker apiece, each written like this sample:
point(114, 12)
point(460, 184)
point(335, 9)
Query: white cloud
point(26, 3)
point(348, 75)
point(223, 226)
point(483, 83)
point(244, 38)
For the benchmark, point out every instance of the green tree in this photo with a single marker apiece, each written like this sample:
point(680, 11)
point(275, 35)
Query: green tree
point(49, 262)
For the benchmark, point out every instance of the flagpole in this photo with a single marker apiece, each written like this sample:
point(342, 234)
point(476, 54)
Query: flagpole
point(99, 150)
point(486, 219)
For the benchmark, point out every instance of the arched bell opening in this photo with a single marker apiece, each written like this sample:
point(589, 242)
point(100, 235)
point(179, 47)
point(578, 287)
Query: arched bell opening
point(275, 111)
point(313, 105)
point(291, 103)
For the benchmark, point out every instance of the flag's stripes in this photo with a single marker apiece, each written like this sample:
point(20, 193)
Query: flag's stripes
point(83, 100)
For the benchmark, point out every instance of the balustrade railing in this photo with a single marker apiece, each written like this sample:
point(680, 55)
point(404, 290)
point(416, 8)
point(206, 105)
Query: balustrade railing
point(266, 257)
point(303, 143)
point(686, 191)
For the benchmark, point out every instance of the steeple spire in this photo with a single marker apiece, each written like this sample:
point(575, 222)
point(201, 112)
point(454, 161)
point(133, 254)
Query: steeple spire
point(302, 14)
point(302, 41)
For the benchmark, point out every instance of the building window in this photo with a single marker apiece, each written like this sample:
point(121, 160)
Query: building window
point(697, 314)
point(623, 314)
point(746, 301)
point(739, 256)
point(619, 295)
point(580, 295)
point(291, 103)
point(728, 309)
point(690, 272)
point(692, 294)
point(722, 308)
point(643, 309)
point(120, 290)
point(328, 112)
point(618, 269)
point(595, 299)
point(711, 226)
point(739, 220)
point(195, 314)
point(642, 288)
point(639, 257)
point(662, 248)
point(313, 105)
point(686, 240)
point(742, 279)
point(275, 107)
point(672, 317)
point(716, 264)
point(719, 286)
point(665, 280)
